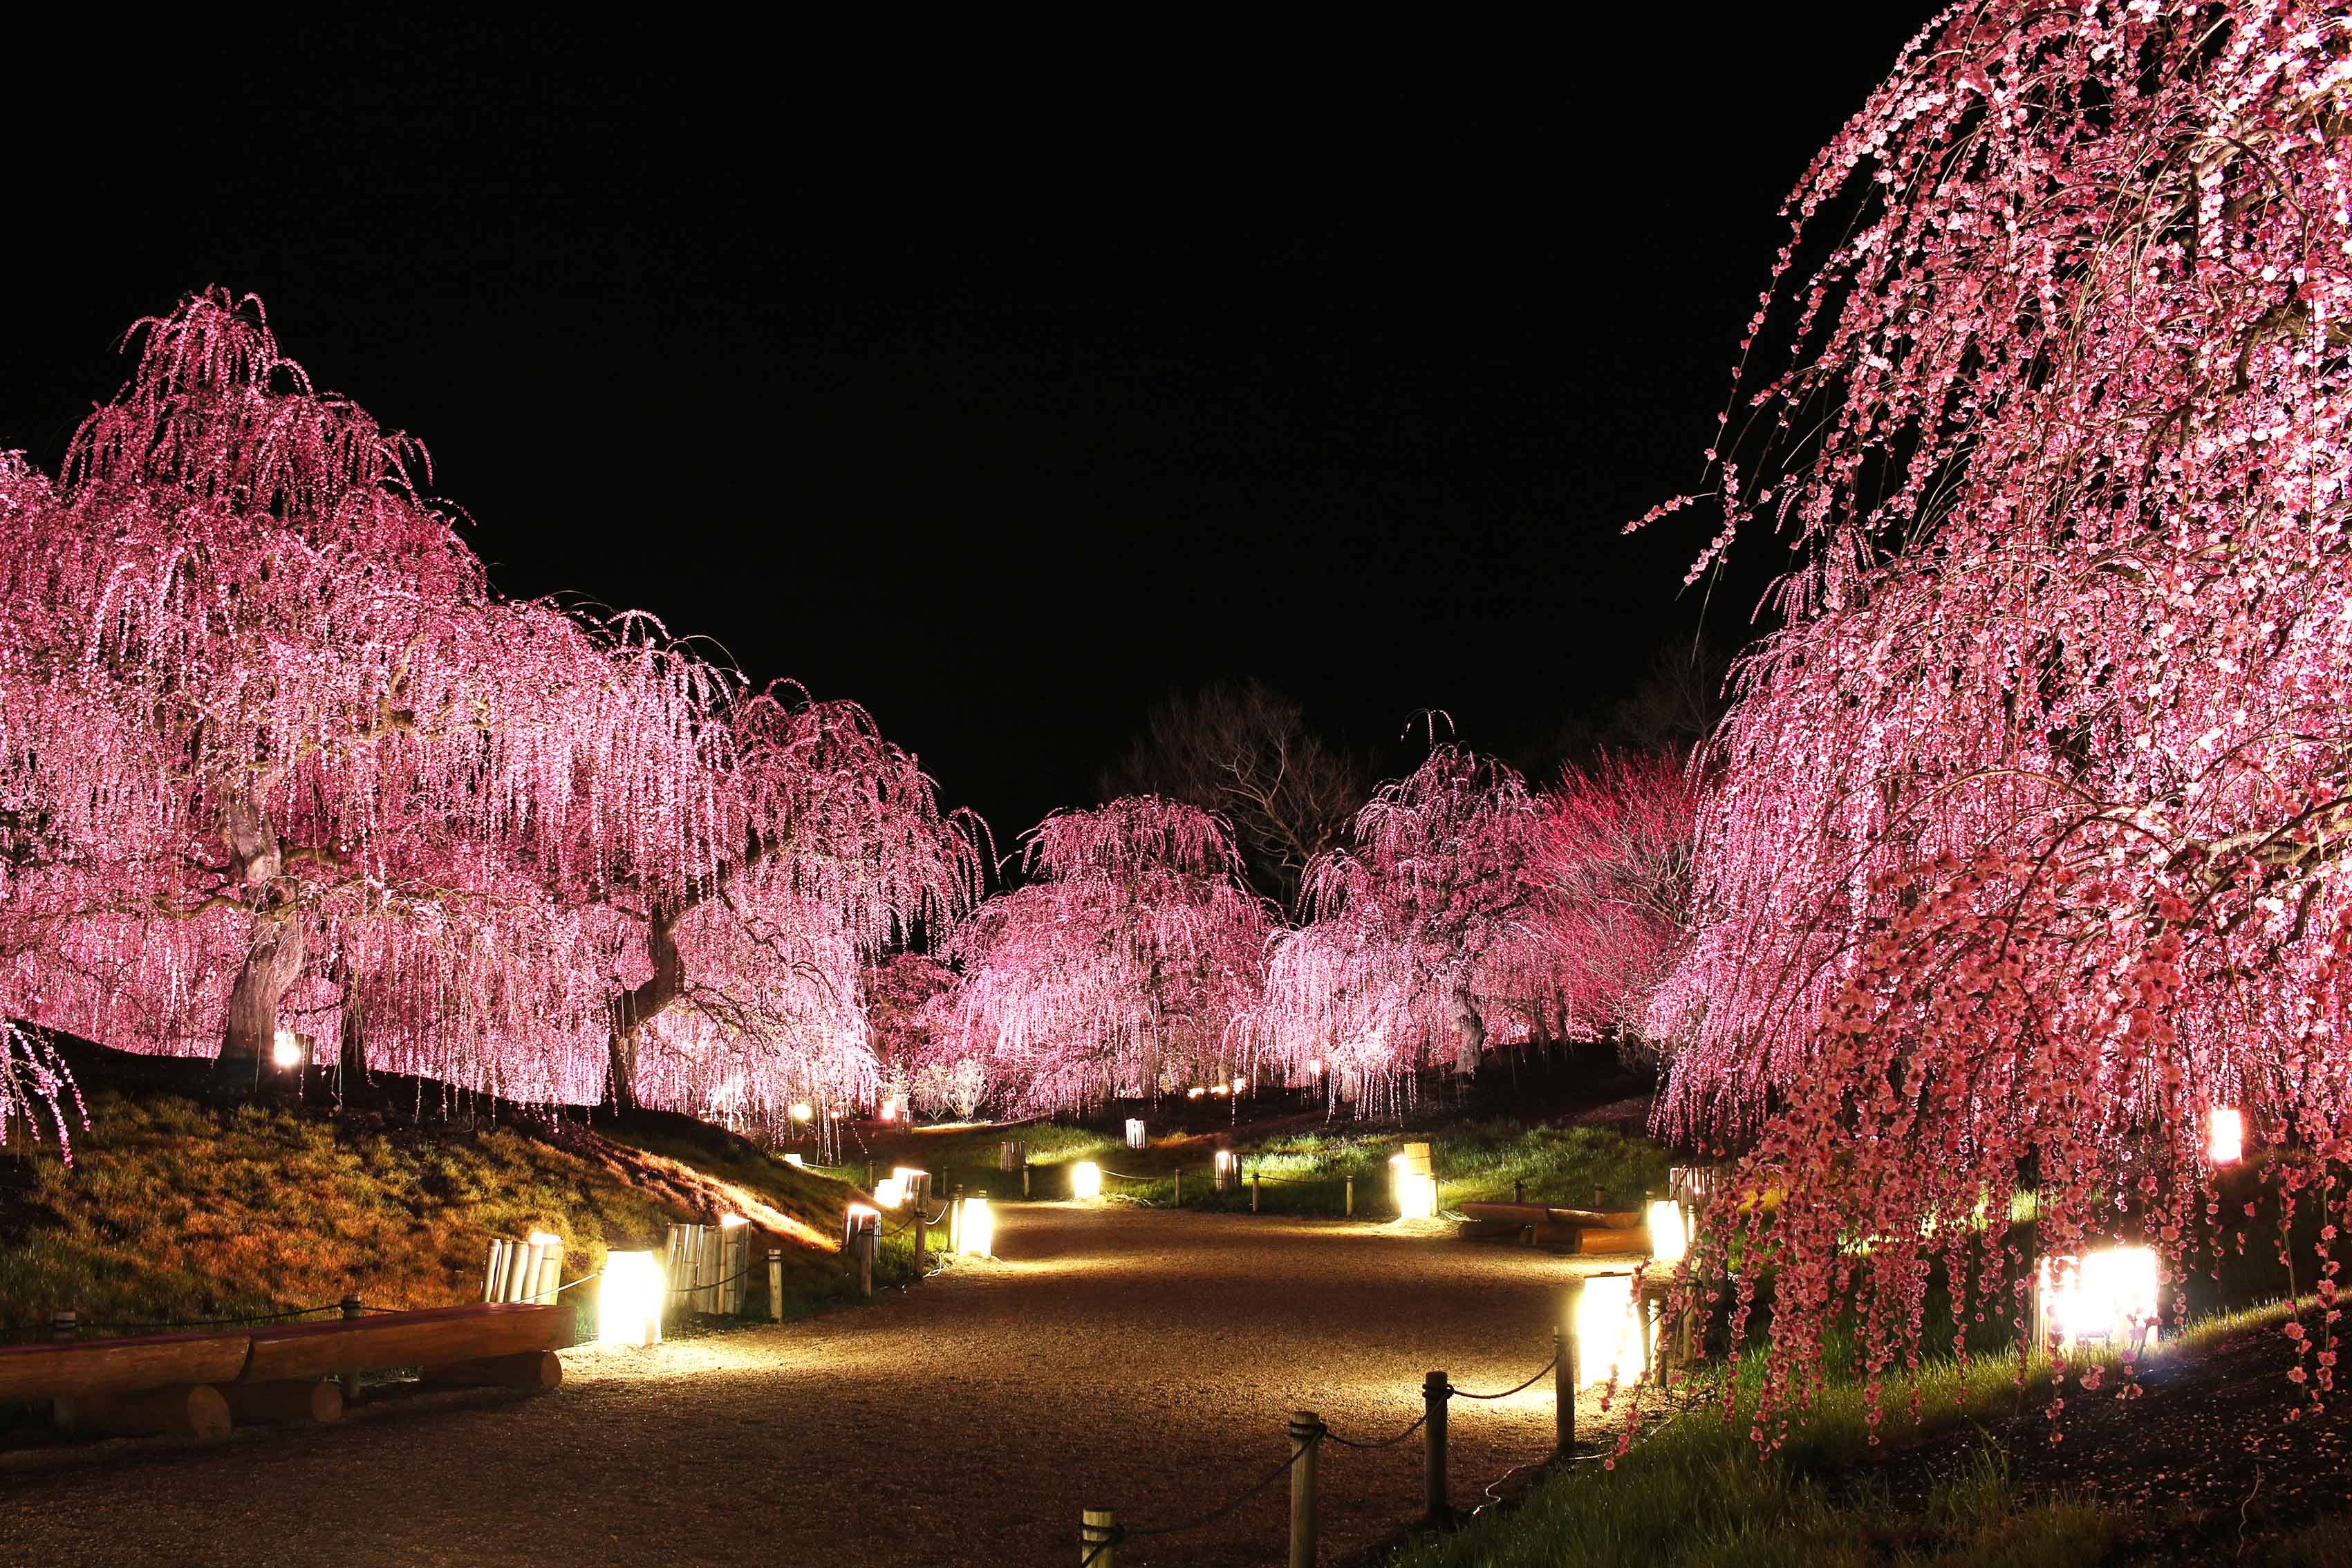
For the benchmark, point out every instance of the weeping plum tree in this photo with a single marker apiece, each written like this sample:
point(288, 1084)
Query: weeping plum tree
point(2030, 840)
point(1610, 851)
point(1421, 948)
point(1129, 965)
point(912, 1006)
point(747, 979)
point(272, 752)
point(253, 687)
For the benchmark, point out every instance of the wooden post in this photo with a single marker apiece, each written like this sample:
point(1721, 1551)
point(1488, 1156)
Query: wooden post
point(1097, 1538)
point(869, 1235)
point(1564, 1390)
point(869, 1175)
point(1351, 1195)
point(1518, 1191)
point(955, 1221)
point(775, 1284)
point(1435, 1392)
point(350, 1377)
point(921, 1246)
point(1025, 1176)
point(1253, 1192)
point(185, 1410)
point(1179, 1202)
point(1306, 1434)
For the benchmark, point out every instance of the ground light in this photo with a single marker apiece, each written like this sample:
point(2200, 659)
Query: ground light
point(2111, 1296)
point(801, 1112)
point(629, 1300)
point(1669, 1230)
point(796, 1162)
point(976, 1236)
point(286, 1050)
point(889, 1191)
point(1413, 1183)
point(889, 1108)
point(1608, 1336)
point(2225, 1135)
point(1086, 1179)
point(1136, 1134)
point(1195, 1093)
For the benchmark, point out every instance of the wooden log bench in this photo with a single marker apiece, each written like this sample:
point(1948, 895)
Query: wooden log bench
point(197, 1383)
point(1551, 1225)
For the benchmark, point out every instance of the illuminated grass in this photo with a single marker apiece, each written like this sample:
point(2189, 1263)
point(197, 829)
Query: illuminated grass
point(176, 1210)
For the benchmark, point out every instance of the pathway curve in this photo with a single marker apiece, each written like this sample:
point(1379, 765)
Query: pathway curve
point(1124, 1357)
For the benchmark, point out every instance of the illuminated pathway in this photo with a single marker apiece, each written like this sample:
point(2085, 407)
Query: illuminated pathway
point(1119, 1357)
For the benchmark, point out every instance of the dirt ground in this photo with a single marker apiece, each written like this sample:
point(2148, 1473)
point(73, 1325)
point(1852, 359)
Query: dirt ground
point(1116, 1357)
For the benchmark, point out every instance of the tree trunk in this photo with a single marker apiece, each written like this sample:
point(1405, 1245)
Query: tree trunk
point(1470, 1041)
point(350, 1039)
point(640, 1004)
point(274, 952)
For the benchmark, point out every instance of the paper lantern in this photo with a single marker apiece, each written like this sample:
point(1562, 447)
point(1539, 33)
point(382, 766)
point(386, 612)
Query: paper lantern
point(286, 1050)
point(889, 1191)
point(801, 1112)
point(2225, 1135)
point(1086, 1179)
point(1669, 1228)
point(1135, 1136)
point(976, 1236)
point(890, 1109)
point(1240, 1084)
point(629, 1300)
point(796, 1162)
point(1610, 1343)
point(2111, 1296)
point(1195, 1093)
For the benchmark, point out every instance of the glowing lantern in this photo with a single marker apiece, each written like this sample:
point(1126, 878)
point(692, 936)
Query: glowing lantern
point(1219, 1089)
point(801, 1112)
point(796, 1162)
point(1315, 1070)
point(1195, 1093)
point(890, 1109)
point(629, 1300)
point(1229, 1168)
point(2225, 1131)
point(976, 1236)
point(1669, 1228)
point(286, 1050)
point(1240, 1084)
point(889, 1191)
point(1136, 1135)
point(1413, 1184)
point(1609, 1344)
point(1086, 1179)
point(914, 1182)
point(2111, 1295)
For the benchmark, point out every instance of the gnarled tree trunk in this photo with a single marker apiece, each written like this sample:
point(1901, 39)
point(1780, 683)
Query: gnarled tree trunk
point(641, 1004)
point(275, 950)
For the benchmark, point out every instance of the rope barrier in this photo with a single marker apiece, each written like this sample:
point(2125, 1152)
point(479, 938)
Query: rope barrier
point(1212, 1516)
point(1508, 1392)
point(1383, 1443)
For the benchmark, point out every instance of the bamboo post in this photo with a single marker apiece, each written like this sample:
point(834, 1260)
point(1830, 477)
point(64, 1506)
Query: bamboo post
point(1564, 1390)
point(1435, 1392)
point(1306, 1434)
point(1351, 1195)
point(775, 1284)
point(490, 1270)
point(1097, 1538)
point(351, 1375)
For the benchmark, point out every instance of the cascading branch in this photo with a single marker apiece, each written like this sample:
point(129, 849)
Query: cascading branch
point(273, 754)
point(1131, 964)
point(2029, 841)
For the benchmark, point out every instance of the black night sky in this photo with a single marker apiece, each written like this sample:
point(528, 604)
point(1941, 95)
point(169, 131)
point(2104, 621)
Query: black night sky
point(999, 399)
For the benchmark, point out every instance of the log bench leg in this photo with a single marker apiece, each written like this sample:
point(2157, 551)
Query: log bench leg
point(533, 1370)
point(185, 1409)
point(293, 1403)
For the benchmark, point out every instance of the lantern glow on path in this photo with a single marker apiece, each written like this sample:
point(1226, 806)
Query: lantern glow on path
point(1086, 1179)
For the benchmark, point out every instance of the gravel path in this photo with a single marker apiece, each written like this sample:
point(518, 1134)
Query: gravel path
point(1116, 1357)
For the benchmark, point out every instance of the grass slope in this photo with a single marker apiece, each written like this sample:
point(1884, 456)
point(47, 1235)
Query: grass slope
point(176, 1206)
